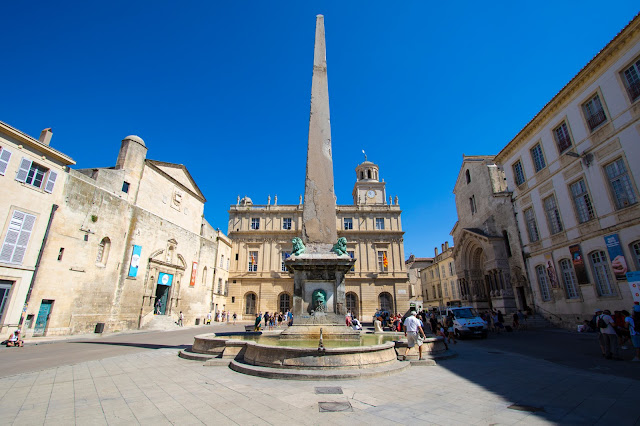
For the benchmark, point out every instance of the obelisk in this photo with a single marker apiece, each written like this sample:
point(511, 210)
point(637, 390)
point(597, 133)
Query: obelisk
point(319, 212)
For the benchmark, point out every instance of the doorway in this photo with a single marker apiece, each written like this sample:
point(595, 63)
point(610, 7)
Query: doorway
point(43, 317)
point(523, 298)
point(162, 295)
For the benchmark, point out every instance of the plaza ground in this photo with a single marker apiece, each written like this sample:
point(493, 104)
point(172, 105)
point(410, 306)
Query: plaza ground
point(138, 378)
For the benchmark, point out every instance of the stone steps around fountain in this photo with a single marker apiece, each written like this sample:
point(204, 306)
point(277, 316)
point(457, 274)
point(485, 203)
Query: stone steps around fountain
point(317, 374)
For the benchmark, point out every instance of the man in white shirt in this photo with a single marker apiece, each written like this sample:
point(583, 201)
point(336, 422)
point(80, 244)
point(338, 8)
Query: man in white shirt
point(412, 326)
point(609, 335)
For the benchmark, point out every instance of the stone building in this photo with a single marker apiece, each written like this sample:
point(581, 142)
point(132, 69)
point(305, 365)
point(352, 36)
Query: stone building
point(439, 280)
point(32, 176)
point(262, 235)
point(573, 172)
point(414, 265)
point(487, 252)
point(126, 243)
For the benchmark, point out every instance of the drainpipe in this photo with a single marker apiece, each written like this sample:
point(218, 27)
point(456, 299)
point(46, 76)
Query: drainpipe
point(54, 207)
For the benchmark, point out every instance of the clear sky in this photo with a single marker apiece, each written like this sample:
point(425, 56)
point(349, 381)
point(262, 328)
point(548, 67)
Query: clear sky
point(224, 88)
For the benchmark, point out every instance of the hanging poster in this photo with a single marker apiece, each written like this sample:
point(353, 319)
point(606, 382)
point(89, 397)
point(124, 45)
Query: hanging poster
point(194, 272)
point(618, 262)
point(634, 284)
point(135, 261)
point(165, 279)
point(551, 270)
point(578, 264)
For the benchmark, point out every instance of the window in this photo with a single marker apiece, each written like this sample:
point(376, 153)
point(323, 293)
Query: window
point(229, 263)
point(620, 184)
point(553, 214)
point(219, 286)
point(532, 227)
point(34, 174)
point(125, 186)
point(386, 302)
point(285, 302)
point(582, 201)
point(450, 269)
point(443, 272)
point(222, 260)
point(348, 223)
point(453, 289)
point(569, 279)
point(5, 289)
point(518, 173)
point(445, 286)
point(468, 176)
point(5, 156)
point(383, 262)
point(507, 244)
point(543, 282)
point(250, 304)
point(60, 253)
point(352, 304)
point(286, 223)
point(635, 252)
point(253, 261)
point(379, 223)
point(103, 251)
point(255, 223)
point(631, 77)
point(593, 112)
point(352, 254)
point(284, 256)
point(561, 134)
point(538, 158)
point(204, 276)
point(17, 237)
point(472, 204)
point(602, 274)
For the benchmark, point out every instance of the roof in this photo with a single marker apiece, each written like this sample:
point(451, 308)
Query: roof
point(35, 143)
point(156, 165)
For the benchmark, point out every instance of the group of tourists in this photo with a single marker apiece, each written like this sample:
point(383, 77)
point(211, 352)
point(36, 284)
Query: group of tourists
point(616, 331)
point(352, 321)
point(14, 340)
point(221, 316)
point(272, 320)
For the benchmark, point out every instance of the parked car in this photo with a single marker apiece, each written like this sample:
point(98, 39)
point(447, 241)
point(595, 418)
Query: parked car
point(466, 322)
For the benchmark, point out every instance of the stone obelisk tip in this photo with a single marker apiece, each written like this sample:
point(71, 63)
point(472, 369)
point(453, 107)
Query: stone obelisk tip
point(319, 213)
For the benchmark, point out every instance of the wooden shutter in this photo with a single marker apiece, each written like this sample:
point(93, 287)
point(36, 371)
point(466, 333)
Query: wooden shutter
point(23, 172)
point(51, 180)
point(17, 238)
point(4, 160)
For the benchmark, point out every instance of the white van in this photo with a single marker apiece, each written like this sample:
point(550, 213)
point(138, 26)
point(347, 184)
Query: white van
point(467, 322)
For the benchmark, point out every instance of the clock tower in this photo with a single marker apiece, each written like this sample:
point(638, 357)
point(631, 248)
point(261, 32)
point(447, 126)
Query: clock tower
point(368, 190)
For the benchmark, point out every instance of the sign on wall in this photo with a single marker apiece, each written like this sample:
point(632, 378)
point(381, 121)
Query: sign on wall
point(634, 284)
point(165, 279)
point(135, 261)
point(194, 271)
point(578, 264)
point(618, 262)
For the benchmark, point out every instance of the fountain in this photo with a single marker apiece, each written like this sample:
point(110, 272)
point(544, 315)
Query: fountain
point(318, 345)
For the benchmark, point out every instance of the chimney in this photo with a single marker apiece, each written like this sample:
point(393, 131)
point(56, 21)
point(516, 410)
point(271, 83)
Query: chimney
point(446, 245)
point(442, 247)
point(435, 249)
point(45, 136)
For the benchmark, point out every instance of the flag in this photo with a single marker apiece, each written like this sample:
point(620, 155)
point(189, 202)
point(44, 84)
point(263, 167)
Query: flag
point(253, 260)
point(385, 261)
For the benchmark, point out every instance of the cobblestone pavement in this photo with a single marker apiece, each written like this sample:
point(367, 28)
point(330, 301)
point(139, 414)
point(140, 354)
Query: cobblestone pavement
point(478, 387)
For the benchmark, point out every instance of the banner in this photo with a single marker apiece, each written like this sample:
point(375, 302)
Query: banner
point(135, 261)
point(165, 279)
point(618, 262)
point(634, 284)
point(551, 271)
point(578, 264)
point(194, 271)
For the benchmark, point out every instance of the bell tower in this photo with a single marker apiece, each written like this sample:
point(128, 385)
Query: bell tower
point(368, 190)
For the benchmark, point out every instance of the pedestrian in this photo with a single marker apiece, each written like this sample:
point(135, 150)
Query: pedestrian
point(266, 320)
point(234, 318)
point(441, 332)
point(157, 306)
point(412, 327)
point(450, 330)
point(209, 318)
point(433, 323)
point(606, 323)
point(630, 322)
point(256, 324)
point(15, 340)
point(180, 319)
point(516, 321)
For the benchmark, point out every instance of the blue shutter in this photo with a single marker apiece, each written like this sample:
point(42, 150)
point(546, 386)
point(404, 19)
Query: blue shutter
point(23, 171)
point(51, 180)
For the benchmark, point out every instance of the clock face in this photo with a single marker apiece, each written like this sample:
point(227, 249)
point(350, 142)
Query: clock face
point(371, 193)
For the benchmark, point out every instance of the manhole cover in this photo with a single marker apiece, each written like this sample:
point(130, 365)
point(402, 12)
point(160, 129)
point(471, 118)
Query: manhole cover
point(333, 407)
point(327, 390)
point(529, 408)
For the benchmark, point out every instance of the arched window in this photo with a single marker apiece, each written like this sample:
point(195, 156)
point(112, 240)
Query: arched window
point(352, 304)
point(103, 251)
point(602, 273)
point(361, 175)
point(569, 279)
point(369, 174)
point(468, 175)
point(284, 302)
point(250, 304)
point(386, 301)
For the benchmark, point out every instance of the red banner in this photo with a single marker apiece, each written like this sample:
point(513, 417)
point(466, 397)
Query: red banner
point(194, 272)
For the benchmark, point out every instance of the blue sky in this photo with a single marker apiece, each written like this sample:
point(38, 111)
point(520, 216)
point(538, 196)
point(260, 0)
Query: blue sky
point(224, 88)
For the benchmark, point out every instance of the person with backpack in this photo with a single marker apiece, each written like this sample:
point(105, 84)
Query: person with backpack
point(605, 324)
point(633, 324)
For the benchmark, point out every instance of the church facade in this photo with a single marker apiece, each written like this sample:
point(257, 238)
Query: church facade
point(262, 234)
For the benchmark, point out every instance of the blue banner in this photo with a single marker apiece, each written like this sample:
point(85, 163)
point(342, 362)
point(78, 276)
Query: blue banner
point(618, 262)
point(135, 261)
point(165, 279)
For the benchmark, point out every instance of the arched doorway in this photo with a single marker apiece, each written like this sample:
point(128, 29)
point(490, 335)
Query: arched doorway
point(386, 302)
point(284, 302)
point(250, 301)
point(352, 304)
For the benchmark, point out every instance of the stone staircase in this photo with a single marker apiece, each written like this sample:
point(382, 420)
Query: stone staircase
point(538, 321)
point(162, 322)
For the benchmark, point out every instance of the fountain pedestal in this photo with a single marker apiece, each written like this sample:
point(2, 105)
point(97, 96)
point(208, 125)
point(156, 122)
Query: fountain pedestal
point(315, 273)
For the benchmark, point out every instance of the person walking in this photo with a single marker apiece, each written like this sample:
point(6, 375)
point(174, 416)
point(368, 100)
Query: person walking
point(606, 323)
point(180, 318)
point(630, 322)
point(411, 329)
point(235, 317)
point(256, 324)
point(450, 330)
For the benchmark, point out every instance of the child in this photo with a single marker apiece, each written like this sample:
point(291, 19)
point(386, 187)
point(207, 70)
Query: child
point(444, 336)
